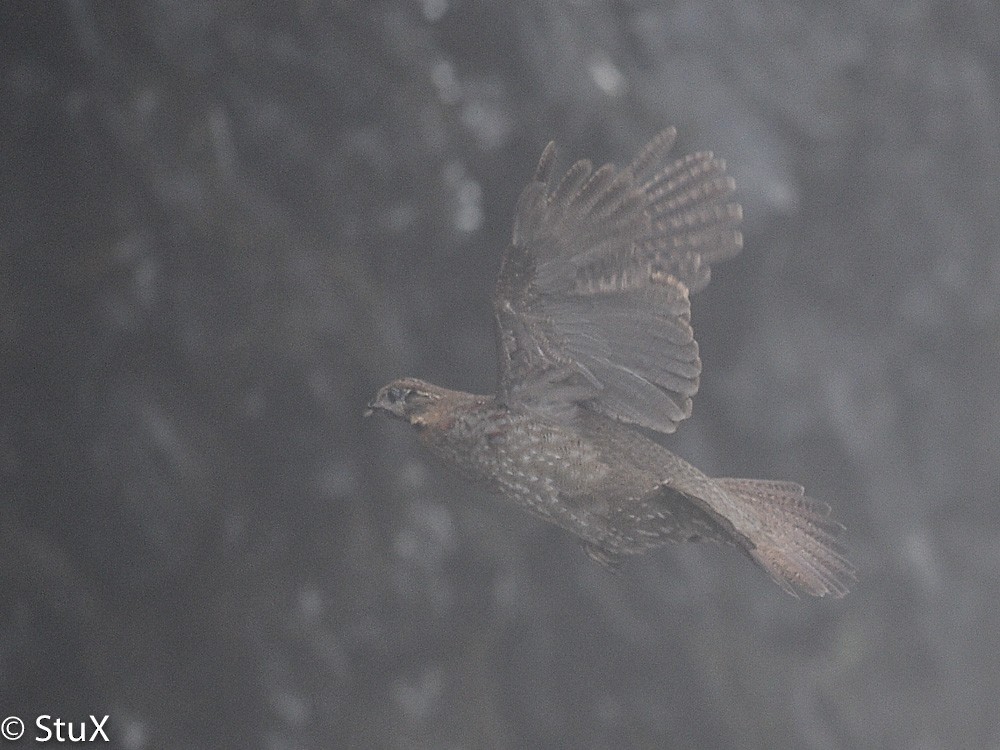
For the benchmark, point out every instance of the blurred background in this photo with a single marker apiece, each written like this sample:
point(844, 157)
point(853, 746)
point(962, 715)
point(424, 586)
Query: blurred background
point(224, 225)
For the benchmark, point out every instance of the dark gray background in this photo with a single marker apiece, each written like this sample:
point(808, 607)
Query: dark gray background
point(224, 227)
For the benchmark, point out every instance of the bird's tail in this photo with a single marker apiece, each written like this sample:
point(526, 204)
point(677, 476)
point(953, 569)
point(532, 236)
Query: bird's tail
point(790, 535)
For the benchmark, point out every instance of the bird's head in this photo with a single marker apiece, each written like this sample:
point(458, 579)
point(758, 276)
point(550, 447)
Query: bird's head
point(407, 398)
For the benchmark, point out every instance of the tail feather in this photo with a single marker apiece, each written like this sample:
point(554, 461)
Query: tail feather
point(791, 536)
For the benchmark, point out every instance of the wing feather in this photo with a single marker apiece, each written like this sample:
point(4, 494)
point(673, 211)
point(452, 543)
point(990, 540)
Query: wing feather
point(654, 153)
point(592, 305)
point(575, 178)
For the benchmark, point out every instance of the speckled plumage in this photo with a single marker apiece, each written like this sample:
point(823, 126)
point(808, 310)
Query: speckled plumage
point(593, 327)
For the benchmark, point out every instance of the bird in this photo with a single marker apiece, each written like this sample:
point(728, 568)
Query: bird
point(596, 358)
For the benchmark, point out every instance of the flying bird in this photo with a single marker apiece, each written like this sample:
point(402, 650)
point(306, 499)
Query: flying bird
point(593, 327)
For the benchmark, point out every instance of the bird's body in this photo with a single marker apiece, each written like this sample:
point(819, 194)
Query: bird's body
point(577, 476)
point(593, 327)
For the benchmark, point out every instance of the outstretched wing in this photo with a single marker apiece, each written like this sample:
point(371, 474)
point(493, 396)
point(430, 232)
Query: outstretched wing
point(592, 304)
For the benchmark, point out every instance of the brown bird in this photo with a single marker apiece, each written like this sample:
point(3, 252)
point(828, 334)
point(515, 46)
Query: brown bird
point(593, 328)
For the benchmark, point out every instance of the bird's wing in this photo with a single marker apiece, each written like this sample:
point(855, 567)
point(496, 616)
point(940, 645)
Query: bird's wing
point(592, 304)
point(664, 515)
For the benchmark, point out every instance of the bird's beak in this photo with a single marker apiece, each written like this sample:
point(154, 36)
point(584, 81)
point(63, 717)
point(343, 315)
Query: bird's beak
point(370, 410)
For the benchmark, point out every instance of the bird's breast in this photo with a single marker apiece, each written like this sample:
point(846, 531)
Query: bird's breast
point(541, 465)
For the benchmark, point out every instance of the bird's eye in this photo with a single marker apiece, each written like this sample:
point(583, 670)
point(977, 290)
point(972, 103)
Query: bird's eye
point(397, 395)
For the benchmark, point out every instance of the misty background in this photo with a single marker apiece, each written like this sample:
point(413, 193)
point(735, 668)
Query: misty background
point(224, 226)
